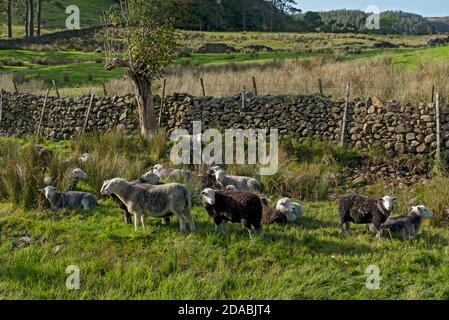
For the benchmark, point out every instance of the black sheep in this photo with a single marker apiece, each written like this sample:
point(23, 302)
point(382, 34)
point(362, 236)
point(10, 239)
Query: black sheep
point(362, 210)
point(271, 215)
point(235, 207)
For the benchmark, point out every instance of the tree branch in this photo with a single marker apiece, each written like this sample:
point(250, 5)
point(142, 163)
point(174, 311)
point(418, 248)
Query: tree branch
point(117, 63)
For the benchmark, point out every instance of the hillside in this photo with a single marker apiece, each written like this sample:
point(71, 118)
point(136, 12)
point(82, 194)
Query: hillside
point(441, 24)
point(54, 16)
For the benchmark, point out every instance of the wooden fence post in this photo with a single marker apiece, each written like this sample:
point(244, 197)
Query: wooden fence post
point(320, 84)
point(1, 106)
point(38, 132)
point(345, 115)
point(433, 94)
point(105, 92)
point(56, 88)
point(162, 101)
point(202, 87)
point(254, 86)
point(16, 91)
point(86, 121)
point(438, 125)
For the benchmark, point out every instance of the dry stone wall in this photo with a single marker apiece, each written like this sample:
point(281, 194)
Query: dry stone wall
point(398, 127)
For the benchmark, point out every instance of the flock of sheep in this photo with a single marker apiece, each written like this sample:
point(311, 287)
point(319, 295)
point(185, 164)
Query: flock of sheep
point(226, 199)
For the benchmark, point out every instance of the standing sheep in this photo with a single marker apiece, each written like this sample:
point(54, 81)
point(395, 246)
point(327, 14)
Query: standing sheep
point(235, 207)
point(69, 200)
point(147, 178)
point(155, 201)
point(246, 184)
point(362, 210)
point(407, 226)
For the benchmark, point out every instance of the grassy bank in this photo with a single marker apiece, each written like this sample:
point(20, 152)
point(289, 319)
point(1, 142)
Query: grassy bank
point(303, 260)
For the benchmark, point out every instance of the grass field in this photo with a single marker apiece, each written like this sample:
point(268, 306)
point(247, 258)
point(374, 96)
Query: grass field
point(305, 260)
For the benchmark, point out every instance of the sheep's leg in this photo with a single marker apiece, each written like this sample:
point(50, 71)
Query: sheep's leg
point(166, 221)
point(182, 223)
point(191, 223)
point(142, 220)
point(136, 221)
point(348, 227)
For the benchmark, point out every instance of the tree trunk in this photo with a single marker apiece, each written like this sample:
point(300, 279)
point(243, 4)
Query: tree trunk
point(27, 18)
point(30, 18)
point(145, 105)
point(9, 19)
point(38, 17)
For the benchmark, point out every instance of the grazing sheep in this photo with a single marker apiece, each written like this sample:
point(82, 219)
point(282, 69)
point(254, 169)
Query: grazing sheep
point(85, 157)
point(69, 200)
point(362, 210)
point(235, 207)
point(44, 156)
point(407, 226)
point(77, 175)
point(167, 173)
point(292, 210)
point(246, 184)
point(155, 201)
point(208, 180)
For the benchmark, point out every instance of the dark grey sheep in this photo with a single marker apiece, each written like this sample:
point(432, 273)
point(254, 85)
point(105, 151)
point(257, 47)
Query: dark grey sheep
point(235, 207)
point(362, 210)
point(407, 226)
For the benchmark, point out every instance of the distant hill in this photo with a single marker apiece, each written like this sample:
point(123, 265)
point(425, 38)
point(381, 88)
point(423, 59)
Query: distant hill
point(391, 22)
point(441, 24)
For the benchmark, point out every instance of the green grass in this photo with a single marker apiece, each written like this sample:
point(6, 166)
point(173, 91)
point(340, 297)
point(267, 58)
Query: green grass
point(54, 16)
point(77, 65)
point(305, 260)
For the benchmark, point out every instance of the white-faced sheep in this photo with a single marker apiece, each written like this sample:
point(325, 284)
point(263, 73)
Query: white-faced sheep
point(235, 207)
point(155, 201)
point(362, 210)
point(85, 157)
point(406, 226)
point(292, 210)
point(69, 200)
point(77, 175)
point(231, 187)
point(246, 184)
point(167, 173)
point(147, 178)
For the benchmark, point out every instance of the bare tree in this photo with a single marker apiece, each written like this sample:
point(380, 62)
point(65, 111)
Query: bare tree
point(9, 18)
point(38, 17)
point(149, 42)
point(30, 18)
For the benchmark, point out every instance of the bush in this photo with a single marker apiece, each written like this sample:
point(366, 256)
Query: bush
point(11, 63)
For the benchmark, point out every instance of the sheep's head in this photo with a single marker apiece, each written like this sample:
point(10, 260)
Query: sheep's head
point(85, 157)
point(422, 211)
point(285, 205)
point(158, 168)
point(265, 201)
point(296, 213)
point(111, 186)
point(79, 174)
point(49, 192)
point(151, 178)
point(220, 175)
point(231, 187)
point(388, 203)
point(208, 196)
